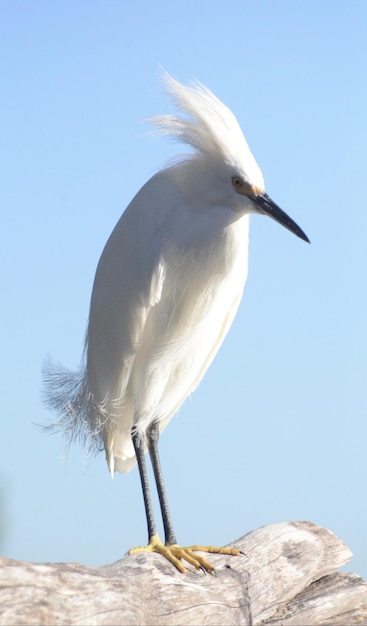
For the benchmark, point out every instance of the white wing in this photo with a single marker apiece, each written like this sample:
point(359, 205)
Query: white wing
point(91, 403)
point(128, 283)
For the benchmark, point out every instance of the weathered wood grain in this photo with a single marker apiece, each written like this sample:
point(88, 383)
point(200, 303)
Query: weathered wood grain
point(288, 576)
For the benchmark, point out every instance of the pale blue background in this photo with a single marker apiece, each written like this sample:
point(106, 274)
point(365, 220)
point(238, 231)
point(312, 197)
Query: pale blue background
point(277, 429)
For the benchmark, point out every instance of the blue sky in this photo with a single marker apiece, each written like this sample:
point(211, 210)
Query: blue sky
point(277, 429)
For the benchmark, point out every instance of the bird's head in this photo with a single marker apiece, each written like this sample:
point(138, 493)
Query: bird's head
point(221, 161)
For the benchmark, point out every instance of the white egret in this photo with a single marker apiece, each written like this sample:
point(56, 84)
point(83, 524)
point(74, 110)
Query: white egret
point(166, 290)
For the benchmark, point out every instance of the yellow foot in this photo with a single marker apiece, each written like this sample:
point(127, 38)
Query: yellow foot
point(175, 554)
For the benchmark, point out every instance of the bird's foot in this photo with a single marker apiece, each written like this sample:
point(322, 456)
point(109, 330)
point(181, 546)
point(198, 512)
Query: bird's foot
point(176, 554)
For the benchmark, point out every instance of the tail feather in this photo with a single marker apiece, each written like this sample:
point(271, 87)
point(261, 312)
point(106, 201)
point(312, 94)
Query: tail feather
point(66, 393)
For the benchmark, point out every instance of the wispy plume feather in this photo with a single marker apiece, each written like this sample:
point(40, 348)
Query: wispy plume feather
point(207, 125)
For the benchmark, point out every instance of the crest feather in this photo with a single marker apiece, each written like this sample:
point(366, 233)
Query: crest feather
point(206, 124)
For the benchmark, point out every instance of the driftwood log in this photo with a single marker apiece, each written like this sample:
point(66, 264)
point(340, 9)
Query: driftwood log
point(288, 575)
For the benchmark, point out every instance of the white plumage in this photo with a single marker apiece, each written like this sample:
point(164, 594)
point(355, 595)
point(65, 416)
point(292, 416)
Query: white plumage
point(168, 283)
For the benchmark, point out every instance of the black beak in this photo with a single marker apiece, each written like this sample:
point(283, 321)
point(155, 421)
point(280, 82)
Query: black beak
point(266, 206)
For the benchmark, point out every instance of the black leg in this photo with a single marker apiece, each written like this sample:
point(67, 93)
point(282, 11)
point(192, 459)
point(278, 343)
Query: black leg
point(138, 442)
point(170, 549)
point(152, 438)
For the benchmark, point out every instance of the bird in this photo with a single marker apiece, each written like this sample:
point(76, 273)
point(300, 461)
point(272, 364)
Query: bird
point(166, 290)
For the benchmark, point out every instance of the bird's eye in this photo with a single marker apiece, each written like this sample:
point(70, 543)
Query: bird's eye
point(237, 181)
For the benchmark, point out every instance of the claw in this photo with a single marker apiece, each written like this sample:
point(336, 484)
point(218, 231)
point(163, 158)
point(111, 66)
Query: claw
point(175, 554)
